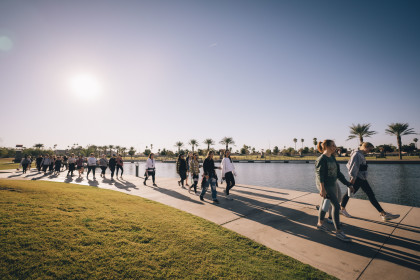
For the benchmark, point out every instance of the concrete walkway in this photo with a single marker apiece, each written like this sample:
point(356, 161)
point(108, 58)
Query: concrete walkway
point(285, 220)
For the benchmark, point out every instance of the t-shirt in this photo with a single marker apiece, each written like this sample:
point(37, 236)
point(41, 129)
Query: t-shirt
point(328, 171)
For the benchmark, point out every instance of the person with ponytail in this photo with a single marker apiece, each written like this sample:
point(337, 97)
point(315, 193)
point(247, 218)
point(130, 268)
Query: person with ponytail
point(228, 173)
point(181, 169)
point(150, 169)
point(195, 172)
point(327, 172)
point(358, 176)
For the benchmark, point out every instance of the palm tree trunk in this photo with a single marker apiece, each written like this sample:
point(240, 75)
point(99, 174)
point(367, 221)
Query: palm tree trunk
point(361, 140)
point(399, 146)
point(226, 146)
point(208, 147)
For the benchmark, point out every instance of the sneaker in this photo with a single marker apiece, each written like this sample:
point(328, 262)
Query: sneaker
point(121, 178)
point(322, 228)
point(317, 207)
point(183, 187)
point(144, 183)
point(216, 201)
point(340, 235)
point(189, 189)
point(154, 185)
point(345, 213)
point(201, 198)
point(179, 183)
point(228, 197)
point(94, 178)
point(389, 216)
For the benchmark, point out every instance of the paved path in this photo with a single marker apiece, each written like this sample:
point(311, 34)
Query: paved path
point(285, 220)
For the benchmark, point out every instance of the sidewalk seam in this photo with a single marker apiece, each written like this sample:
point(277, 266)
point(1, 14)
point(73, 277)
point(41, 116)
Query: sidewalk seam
point(386, 240)
point(261, 210)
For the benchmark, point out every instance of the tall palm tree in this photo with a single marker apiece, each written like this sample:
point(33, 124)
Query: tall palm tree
point(179, 144)
point(151, 147)
point(209, 142)
point(193, 143)
point(399, 129)
point(302, 140)
point(39, 146)
point(110, 148)
point(123, 150)
point(226, 141)
point(118, 148)
point(132, 152)
point(415, 141)
point(360, 130)
point(315, 141)
point(295, 140)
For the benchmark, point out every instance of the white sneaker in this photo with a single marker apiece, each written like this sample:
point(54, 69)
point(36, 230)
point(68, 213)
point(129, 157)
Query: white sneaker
point(340, 235)
point(345, 213)
point(228, 197)
point(389, 216)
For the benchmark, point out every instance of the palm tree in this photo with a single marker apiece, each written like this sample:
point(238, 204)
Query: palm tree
point(39, 146)
point(315, 142)
point(208, 142)
point(110, 149)
point(151, 147)
point(360, 130)
point(123, 150)
point(179, 144)
point(132, 152)
point(302, 140)
point(295, 140)
point(226, 141)
point(118, 148)
point(193, 143)
point(399, 129)
point(415, 141)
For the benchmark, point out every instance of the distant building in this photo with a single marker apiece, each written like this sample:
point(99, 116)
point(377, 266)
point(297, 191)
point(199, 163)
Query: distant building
point(60, 152)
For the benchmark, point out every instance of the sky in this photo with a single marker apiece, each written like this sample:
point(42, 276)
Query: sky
point(135, 73)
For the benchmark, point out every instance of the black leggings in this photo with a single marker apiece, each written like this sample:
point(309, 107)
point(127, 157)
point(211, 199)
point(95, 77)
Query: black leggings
point(195, 179)
point(71, 168)
point(91, 168)
point(230, 181)
point(359, 183)
point(149, 173)
point(103, 170)
point(24, 167)
point(112, 168)
point(122, 169)
point(183, 175)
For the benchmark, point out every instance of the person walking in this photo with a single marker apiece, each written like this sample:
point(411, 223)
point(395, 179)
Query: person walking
point(194, 171)
point(65, 162)
point(112, 165)
point(24, 163)
point(188, 160)
point(228, 173)
point(181, 169)
point(72, 165)
point(91, 165)
point(51, 167)
point(327, 172)
point(120, 164)
point(150, 169)
point(57, 165)
point(46, 161)
point(103, 164)
point(80, 165)
point(29, 164)
point(38, 163)
point(209, 177)
point(357, 167)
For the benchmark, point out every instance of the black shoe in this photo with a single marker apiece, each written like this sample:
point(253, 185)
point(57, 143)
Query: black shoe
point(144, 183)
point(154, 185)
point(216, 201)
point(201, 198)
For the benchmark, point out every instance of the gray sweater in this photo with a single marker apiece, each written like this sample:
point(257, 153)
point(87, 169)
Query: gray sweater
point(356, 159)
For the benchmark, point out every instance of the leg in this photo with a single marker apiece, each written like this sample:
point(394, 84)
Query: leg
point(153, 177)
point(122, 170)
point(89, 169)
point(230, 182)
point(345, 198)
point(93, 171)
point(213, 189)
point(204, 187)
point(368, 190)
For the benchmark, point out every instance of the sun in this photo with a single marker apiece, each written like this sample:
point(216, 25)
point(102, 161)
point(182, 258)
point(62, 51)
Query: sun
point(85, 86)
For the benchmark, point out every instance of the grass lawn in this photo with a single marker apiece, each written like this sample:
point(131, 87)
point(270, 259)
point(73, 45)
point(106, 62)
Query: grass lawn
point(54, 230)
point(6, 163)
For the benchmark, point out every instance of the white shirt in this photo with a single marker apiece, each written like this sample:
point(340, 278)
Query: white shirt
point(91, 161)
point(150, 163)
point(227, 166)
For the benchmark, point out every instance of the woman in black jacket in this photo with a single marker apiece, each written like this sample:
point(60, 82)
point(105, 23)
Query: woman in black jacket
point(181, 169)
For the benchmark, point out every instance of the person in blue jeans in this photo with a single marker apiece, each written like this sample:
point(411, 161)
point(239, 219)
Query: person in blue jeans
point(209, 177)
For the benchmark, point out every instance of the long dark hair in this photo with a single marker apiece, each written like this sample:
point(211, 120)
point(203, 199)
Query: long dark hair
point(150, 156)
point(225, 154)
point(179, 157)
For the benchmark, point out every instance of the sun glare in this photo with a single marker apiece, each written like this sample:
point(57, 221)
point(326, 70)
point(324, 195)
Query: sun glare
point(85, 86)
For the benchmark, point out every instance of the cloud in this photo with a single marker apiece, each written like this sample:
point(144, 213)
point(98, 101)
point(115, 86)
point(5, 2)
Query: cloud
point(213, 45)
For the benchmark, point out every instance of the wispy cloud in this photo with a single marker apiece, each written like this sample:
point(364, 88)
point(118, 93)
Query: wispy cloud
point(213, 45)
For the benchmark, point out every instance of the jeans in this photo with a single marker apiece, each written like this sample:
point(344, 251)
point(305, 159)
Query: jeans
point(120, 167)
point(212, 182)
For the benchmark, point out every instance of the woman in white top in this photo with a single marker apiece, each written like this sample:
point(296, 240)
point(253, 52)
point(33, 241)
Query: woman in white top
point(72, 165)
point(228, 173)
point(150, 169)
point(91, 162)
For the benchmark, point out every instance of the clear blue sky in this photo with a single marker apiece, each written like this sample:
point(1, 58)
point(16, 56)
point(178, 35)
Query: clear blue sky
point(262, 72)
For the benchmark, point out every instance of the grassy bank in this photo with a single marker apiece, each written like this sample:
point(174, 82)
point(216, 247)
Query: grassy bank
point(54, 230)
point(6, 163)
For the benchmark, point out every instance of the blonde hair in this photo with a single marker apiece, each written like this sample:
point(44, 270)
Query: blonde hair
point(322, 146)
point(367, 145)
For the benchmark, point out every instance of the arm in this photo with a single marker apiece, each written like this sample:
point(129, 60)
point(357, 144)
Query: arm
point(353, 166)
point(223, 168)
point(320, 171)
point(341, 177)
point(177, 166)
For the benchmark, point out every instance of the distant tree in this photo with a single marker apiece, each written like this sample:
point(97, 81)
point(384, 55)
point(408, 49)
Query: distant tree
point(209, 142)
point(276, 150)
point(268, 152)
point(132, 152)
point(315, 141)
point(253, 150)
point(163, 152)
point(302, 140)
point(227, 141)
point(151, 147)
point(360, 130)
point(147, 152)
point(179, 144)
point(39, 146)
point(408, 148)
point(110, 148)
point(244, 150)
point(295, 140)
point(193, 143)
point(415, 141)
point(118, 148)
point(399, 129)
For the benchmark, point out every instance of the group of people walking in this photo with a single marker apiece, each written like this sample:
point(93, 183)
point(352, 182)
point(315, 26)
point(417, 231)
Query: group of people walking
point(56, 164)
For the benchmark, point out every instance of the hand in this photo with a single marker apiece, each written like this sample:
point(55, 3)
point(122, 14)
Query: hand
point(323, 193)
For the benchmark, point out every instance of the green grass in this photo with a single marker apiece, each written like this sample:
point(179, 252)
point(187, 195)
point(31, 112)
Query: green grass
point(6, 163)
point(54, 230)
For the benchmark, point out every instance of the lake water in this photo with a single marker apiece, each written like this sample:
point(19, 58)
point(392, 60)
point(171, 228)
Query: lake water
point(393, 183)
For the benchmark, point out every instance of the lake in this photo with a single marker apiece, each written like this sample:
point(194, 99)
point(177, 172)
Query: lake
point(393, 183)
